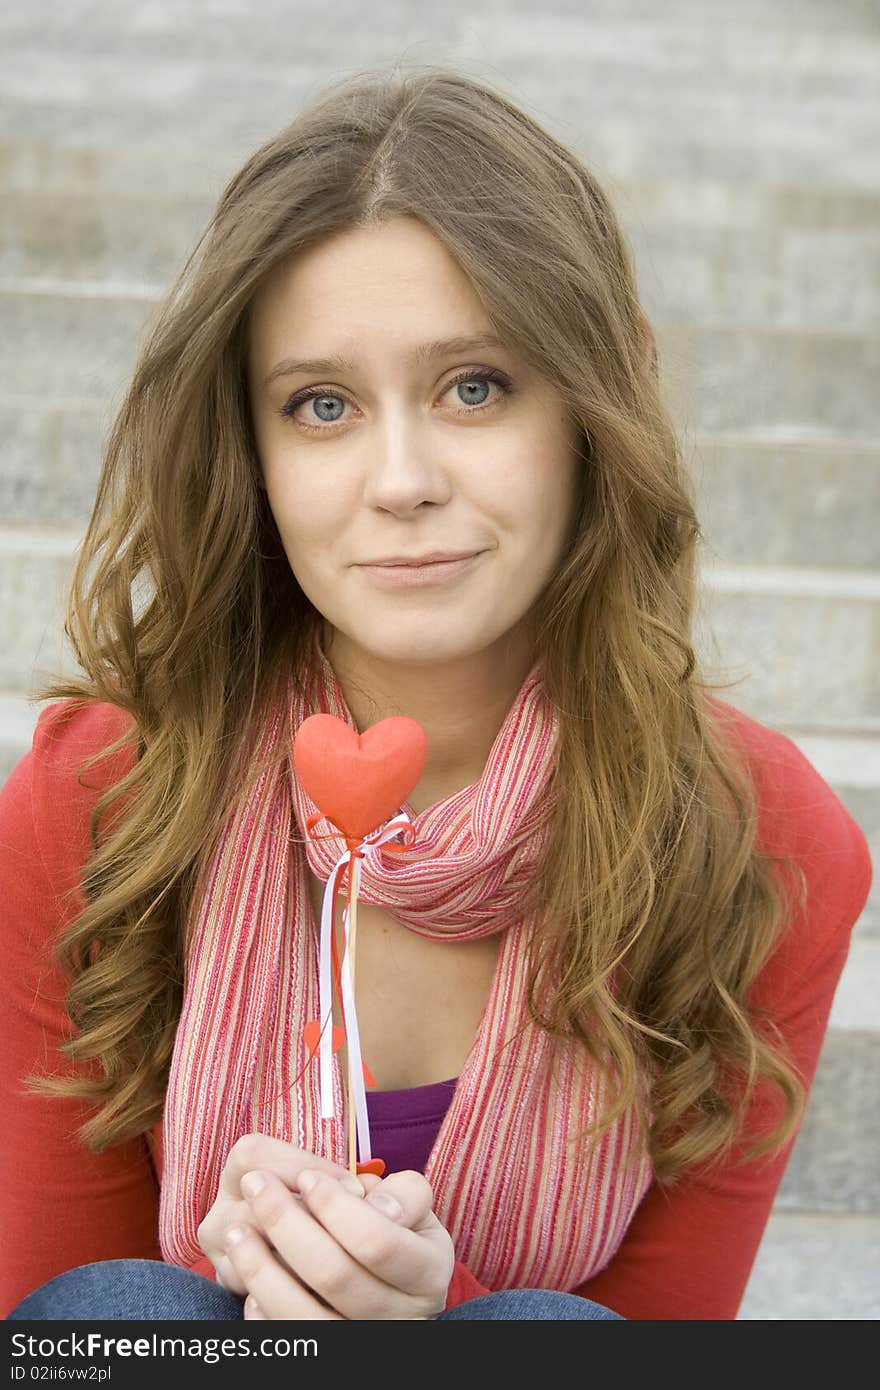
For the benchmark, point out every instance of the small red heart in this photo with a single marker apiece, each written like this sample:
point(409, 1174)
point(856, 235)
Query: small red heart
point(312, 1039)
point(374, 1165)
point(359, 781)
point(312, 1036)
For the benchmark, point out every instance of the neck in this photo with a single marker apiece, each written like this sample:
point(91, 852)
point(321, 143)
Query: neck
point(460, 704)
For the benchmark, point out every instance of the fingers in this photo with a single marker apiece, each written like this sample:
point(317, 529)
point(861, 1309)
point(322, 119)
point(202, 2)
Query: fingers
point(275, 1293)
point(405, 1197)
point(252, 1310)
point(225, 1272)
point(254, 1151)
point(356, 1257)
point(270, 1155)
point(225, 1275)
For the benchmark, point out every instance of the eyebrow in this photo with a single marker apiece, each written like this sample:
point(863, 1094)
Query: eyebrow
point(425, 352)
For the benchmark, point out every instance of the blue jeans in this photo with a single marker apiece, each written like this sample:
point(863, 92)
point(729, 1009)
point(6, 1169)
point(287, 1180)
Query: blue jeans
point(151, 1289)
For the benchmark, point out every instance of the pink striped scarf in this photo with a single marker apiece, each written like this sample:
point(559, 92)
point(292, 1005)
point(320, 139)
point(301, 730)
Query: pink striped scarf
point(525, 1207)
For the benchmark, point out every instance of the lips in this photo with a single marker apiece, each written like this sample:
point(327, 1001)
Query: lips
point(417, 575)
point(434, 558)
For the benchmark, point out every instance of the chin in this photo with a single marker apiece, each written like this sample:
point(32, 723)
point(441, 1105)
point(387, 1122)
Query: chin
point(393, 642)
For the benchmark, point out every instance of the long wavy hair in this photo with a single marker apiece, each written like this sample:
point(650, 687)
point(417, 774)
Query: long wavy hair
point(184, 613)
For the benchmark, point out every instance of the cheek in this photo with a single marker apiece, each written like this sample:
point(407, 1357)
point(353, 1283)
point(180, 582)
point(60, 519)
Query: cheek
point(308, 511)
point(537, 498)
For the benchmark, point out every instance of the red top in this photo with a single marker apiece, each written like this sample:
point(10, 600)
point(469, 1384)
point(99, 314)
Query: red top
point(687, 1253)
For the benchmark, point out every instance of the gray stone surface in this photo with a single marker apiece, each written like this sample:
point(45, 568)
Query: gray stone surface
point(857, 1002)
point(144, 79)
point(708, 201)
point(33, 587)
point(87, 237)
point(787, 502)
point(808, 656)
point(51, 463)
point(782, 277)
point(864, 804)
point(833, 1166)
point(820, 385)
point(815, 1268)
point(58, 346)
point(35, 165)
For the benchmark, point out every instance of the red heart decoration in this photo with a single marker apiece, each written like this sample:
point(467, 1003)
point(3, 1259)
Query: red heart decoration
point(373, 1165)
point(312, 1039)
point(312, 1036)
point(359, 781)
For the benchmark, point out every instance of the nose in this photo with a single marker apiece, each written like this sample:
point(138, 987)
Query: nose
point(404, 465)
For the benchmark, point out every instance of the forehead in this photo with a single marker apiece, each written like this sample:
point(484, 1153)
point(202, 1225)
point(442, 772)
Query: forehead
point(355, 285)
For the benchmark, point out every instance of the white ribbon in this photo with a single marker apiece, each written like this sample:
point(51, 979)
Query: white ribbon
point(369, 845)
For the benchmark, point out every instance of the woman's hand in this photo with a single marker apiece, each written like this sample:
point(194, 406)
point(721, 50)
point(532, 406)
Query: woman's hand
point(230, 1205)
point(323, 1249)
point(324, 1252)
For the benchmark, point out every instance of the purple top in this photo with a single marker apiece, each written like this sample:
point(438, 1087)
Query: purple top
point(404, 1124)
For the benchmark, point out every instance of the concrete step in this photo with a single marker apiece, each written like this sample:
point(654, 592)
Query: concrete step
point(764, 629)
point(117, 244)
point(96, 82)
point(833, 1166)
point(856, 1007)
point(776, 59)
point(167, 29)
point(815, 1268)
point(704, 200)
point(37, 163)
point(786, 503)
point(819, 385)
point(656, 104)
point(784, 278)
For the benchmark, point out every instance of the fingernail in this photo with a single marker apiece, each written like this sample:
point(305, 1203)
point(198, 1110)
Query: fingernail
point(307, 1179)
point(251, 1306)
point(387, 1204)
point(252, 1184)
point(233, 1236)
point(352, 1185)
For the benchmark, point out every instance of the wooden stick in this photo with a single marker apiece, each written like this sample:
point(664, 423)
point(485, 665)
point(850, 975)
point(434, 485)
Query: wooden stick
point(352, 1118)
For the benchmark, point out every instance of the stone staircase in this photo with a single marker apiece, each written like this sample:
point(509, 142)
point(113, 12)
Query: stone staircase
point(738, 142)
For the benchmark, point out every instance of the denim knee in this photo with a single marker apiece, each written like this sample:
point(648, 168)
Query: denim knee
point(130, 1289)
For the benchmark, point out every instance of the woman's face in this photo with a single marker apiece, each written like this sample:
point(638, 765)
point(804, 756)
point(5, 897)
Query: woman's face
point(397, 452)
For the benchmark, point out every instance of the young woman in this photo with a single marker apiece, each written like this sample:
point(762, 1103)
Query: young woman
point(396, 445)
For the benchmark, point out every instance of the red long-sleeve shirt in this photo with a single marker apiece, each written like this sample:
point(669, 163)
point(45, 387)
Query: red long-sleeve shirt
point(688, 1251)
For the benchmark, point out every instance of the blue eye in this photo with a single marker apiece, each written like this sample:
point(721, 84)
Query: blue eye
point(325, 396)
point(323, 403)
point(474, 381)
